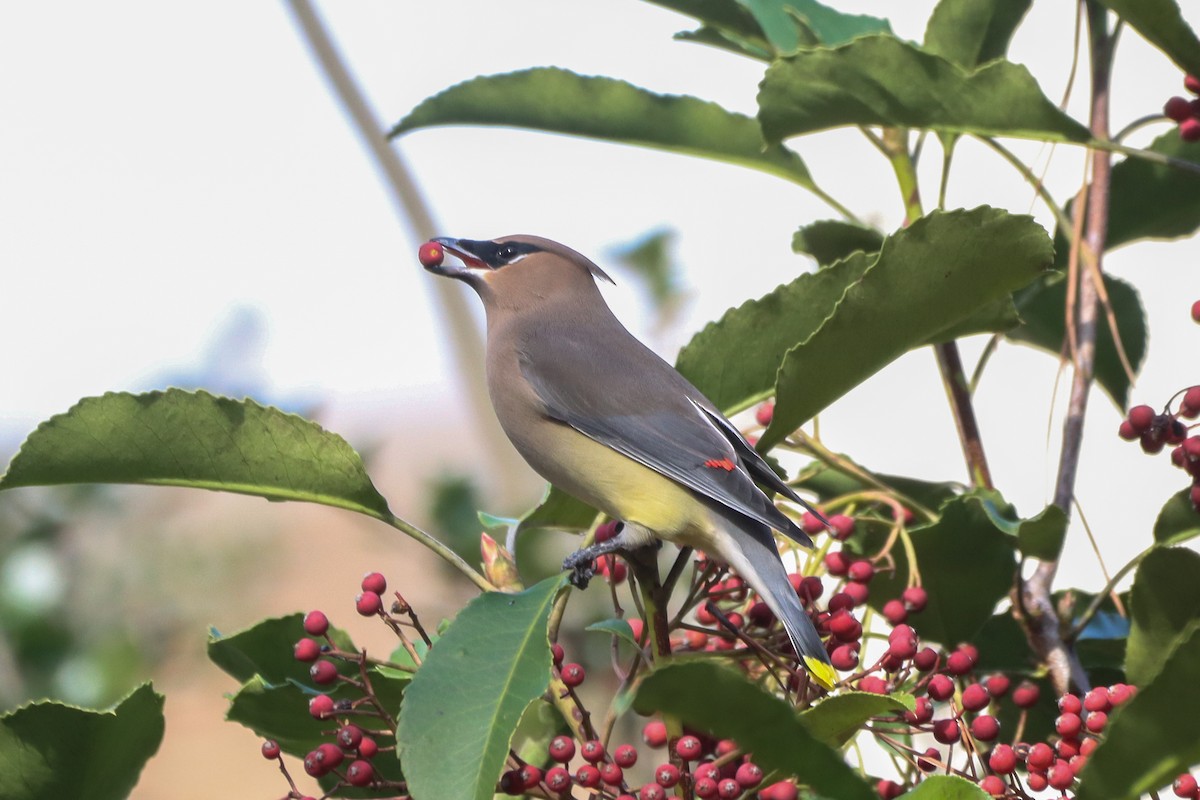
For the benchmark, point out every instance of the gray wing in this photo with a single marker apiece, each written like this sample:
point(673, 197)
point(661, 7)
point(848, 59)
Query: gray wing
point(637, 404)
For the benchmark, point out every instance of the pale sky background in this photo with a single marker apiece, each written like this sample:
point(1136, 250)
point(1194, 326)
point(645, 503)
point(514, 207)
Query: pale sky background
point(166, 167)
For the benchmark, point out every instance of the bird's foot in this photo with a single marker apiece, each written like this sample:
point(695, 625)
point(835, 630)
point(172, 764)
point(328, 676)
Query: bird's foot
point(582, 563)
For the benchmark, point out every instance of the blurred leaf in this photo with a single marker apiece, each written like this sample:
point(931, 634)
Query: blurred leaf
point(973, 32)
point(464, 704)
point(1150, 739)
point(177, 438)
point(615, 627)
point(649, 257)
point(1154, 201)
point(881, 80)
point(967, 566)
point(540, 723)
point(1042, 307)
point(51, 750)
point(928, 277)
point(1042, 536)
point(827, 482)
point(1164, 600)
point(835, 720)
point(1178, 520)
point(1161, 23)
point(831, 240)
point(946, 787)
point(453, 506)
point(759, 722)
point(266, 649)
point(558, 101)
point(790, 24)
point(560, 511)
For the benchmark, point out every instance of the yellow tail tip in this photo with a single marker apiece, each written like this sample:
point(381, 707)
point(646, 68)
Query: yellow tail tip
point(822, 672)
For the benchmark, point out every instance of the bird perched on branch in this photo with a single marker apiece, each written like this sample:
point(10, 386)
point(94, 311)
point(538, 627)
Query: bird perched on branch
point(603, 418)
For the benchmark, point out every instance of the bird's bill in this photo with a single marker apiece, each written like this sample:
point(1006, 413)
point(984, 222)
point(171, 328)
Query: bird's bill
point(472, 266)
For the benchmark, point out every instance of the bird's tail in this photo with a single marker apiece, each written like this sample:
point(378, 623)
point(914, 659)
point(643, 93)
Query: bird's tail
point(759, 564)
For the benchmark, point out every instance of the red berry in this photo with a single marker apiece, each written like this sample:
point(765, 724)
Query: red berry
point(1068, 725)
point(959, 662)
point(270, 749)
point(316, 623)
point(728, 789)
point(840, 602)
point(512, 783)
point(367, 748)
point(573, 674)
point(844, 657)
point(811, 523)
point(861, 572)
point(307, 650)
point(1036, 781)
point(1003, 759)
point(1177, 109)
point(666, 775)
point(374, 582)
point(895, 612)
point(997, 684)
point(993, 785)
point(902, 649)
point(725, 747)
point(607, 531)
point(915, 598)
point(626, 755)
point(1141, 418)
point(1189, 130)
point(925, 659)
point(985, 728)
point(612, 774)
point(562, 749)
point(946, 731)
point(314, 766)
point(836, 563)
point(922, 712)
point(558, 779)
point(1191, 83)
point(765, 411)
point(748, 775)
point(1026, 695)
point(430, 254)
point(360, 773)
point(705, 788)
point(1040, 757)
point(1125, 431)
point(323, 672)
point(349, 737)
point(1096, 721)
point(689, 748)
point(1067, 747)
point(784, 790)
point(557, 652)
point(975, 697)
point(320, 706)
point(760, 614)
point(842, 525)
point(592, 751)
point(1185, 786)
point(857, 592)
point(652, 791)
point(1097, 700)
point(588, 776)
point(1070, 704)
point(1196, 311)
point(531, 776)
point(930, 760)
point(655, 733)
point(940, 687)
point(845, 627)
point(1061, 776)
point(368, 604)
point(1118, 693)
point(888, 790)
point(873, 684)
point(707, 770)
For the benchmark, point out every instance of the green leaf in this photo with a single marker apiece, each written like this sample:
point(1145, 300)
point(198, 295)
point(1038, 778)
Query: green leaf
point(51, 750)
point(831, 240)
point(559, 511)
point(540, 723)
point(967, 566)
point(928, 278)
point(1153, 201)
point(789, 24)
point(758, 721)
point(466, 700)
point(726, 40)
point(727, 16)
point(1178, 520)
point(558, 101)
point(1161, 23)
point(650, 258)
point(1164, 600)
point(266, 649)
point(735, 360)
point(973, 32)
point(837, 719)
point(1042, 536)
point(615, 627)
point(1151, 739)
point(178, 438)
point(827, 483)
point(1042, 307)
point(946, 787)
point(881, 80)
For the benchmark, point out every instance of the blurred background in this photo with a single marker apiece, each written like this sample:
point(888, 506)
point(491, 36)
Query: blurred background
point(183, 202)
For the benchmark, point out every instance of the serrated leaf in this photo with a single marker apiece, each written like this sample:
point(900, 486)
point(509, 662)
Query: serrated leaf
point(973, 32)
point(928, 278)
point(464, 704)
point(1150, 739)
point(194, 439)
point(1042, 536)
point(1043, 309)
point(946, 787)
point(831, 240)
point(558, 101)
point(266, 649)
point(1154, 201)
point(50, 750)
point(881, 80)
point(615, 627)
point(788, 24)
point(1178, 520)
point(1164, 600)
point(759, 722)
point(1162, 24)
point(559, 511)
point(837, 719)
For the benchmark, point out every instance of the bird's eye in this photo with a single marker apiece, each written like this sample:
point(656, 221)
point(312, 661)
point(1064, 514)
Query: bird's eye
point(506, 252)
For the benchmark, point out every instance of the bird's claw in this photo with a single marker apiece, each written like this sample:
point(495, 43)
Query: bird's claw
point(582, 568)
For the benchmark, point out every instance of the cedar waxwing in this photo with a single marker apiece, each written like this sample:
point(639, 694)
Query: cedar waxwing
point(603, 418)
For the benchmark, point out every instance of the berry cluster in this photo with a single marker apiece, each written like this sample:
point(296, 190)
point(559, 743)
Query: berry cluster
point(1157, 430)
point(1186, 112)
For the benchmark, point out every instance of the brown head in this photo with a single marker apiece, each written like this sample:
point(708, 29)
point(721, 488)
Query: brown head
point(520, 272)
